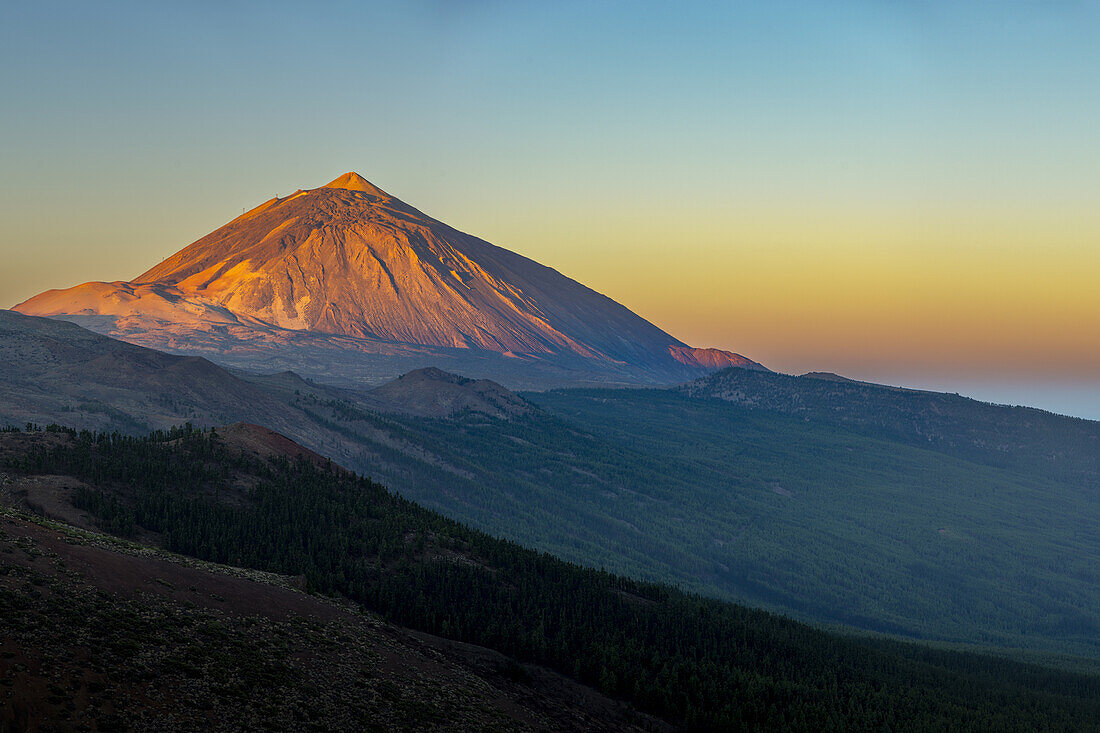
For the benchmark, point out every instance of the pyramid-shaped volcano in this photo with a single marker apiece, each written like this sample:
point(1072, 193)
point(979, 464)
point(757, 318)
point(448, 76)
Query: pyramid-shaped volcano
point(347, 266)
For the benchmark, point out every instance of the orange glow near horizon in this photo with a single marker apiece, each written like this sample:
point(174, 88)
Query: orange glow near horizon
point(873, 293)
point(1008, 294)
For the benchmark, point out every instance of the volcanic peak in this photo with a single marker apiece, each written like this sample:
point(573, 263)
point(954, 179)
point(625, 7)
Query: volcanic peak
point(347, 260)
point(352, 181)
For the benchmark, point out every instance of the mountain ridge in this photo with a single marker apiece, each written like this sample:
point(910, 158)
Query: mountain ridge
point(999, 435)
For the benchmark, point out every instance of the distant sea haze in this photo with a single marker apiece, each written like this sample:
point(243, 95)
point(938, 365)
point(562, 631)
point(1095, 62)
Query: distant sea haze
point(1076, 398)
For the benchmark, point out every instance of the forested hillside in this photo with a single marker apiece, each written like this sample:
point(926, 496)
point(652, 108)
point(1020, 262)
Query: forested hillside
point(814, 519)
point(104, 634)
point(691, 660)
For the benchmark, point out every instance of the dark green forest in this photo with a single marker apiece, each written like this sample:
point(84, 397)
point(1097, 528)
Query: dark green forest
point(700, 662)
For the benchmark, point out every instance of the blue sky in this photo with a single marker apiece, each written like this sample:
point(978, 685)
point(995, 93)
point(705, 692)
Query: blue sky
point(745, 175)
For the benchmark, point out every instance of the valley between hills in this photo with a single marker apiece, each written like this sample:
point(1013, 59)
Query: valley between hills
point(338, 466)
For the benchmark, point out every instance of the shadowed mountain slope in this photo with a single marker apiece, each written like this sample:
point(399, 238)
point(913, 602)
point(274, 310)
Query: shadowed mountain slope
point(349, 268)
point(54, 371)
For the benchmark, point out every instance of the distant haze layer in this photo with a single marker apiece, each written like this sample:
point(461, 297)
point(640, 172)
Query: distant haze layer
point(1077, 399)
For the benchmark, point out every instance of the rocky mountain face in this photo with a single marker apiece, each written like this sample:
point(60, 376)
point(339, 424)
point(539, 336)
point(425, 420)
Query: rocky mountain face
point(303, 281)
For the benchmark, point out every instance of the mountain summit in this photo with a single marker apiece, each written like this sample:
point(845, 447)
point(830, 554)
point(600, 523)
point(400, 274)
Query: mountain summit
point(352, 181)
point(349, 267)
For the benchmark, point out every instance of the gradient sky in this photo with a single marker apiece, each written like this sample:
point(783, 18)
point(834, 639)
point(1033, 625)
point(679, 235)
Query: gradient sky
point(900, 191)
